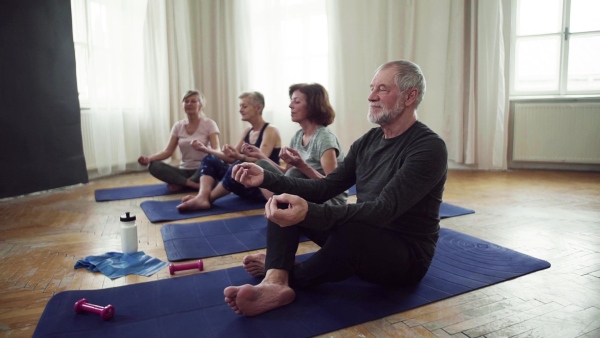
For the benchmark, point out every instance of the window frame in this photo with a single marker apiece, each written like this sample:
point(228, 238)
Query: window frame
point(565, 39)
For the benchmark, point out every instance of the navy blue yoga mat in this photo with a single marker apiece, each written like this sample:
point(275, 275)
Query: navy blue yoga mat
point(165, 211)
point(448, 210)
point(214, 238)
point(161, 211)
point(138, 191)
point(124, 193)
point(193, 306)
point(232, 235)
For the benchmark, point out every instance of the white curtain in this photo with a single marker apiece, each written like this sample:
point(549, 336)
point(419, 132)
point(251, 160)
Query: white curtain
point(126, 72)
point(363, 35)
point(154, 127)
point(206, 53)
point(491, 89)
point(181, 63)
point(143, 56)
point(285, 43)
point(460, 48)
point(226, 47)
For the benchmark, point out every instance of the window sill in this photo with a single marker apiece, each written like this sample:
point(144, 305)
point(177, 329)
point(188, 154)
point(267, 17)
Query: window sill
point(531, 98)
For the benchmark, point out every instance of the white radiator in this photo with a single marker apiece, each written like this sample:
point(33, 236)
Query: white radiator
point(557, 132)
point(88, 141)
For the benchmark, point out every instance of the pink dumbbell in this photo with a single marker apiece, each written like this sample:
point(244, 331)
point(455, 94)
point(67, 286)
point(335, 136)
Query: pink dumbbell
point(188, 266)
point(105, 313)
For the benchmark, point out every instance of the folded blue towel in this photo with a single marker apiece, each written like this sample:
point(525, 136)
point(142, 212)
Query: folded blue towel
point(117, 264)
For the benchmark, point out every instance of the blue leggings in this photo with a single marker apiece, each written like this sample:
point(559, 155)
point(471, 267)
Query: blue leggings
point(214, 167)
point(221, 171)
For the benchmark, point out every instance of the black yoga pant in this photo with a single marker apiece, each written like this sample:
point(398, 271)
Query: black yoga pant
point(375, 255)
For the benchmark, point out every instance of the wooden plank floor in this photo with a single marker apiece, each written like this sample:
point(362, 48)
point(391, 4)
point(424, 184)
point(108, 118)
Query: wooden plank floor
point(550, 215)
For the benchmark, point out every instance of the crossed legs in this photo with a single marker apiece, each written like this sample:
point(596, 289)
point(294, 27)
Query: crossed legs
point(375, 255)
point(176, 178)
point(206, 195)
point(211, 170)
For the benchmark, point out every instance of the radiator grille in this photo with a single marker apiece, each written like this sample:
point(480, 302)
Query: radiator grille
point(557, 133)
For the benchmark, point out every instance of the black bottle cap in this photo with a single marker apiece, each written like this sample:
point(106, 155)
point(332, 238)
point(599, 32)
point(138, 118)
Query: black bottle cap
point(127, 217)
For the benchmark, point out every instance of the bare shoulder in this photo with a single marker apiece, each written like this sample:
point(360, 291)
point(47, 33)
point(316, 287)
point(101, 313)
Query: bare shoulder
point(272, 135)
point(271, 129)
point(243, 137)
point(246, 131)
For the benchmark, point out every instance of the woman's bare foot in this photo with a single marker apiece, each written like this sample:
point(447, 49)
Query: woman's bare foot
point(251, 300)
point(195, 203)
point(255, 264)
point(191, 184)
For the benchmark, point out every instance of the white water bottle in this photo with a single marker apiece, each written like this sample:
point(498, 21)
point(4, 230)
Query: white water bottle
point(129, 238)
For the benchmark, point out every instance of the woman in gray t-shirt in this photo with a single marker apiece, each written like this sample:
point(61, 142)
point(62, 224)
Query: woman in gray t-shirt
point(314, 150)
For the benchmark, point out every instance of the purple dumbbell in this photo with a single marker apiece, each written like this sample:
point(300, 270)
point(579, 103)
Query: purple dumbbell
point(187, 266)
point(106, 312)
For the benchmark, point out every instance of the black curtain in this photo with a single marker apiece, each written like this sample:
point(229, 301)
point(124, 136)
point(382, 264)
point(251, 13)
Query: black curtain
point(40, 124)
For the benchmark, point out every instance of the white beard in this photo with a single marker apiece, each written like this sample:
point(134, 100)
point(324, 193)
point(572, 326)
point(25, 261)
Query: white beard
point(387, 115)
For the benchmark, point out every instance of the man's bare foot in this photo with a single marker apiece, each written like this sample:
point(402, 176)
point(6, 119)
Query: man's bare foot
point(194, 203)
point(251, 300)
point(187, 198)
point(174, 187)
point(255, 264)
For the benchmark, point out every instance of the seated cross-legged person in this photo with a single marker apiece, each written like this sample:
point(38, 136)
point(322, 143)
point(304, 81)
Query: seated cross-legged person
point(388, 237)
point(195, 128)
point(216, 180)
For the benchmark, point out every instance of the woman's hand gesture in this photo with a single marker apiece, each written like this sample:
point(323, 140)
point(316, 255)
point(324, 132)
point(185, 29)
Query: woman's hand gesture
point(291, 156)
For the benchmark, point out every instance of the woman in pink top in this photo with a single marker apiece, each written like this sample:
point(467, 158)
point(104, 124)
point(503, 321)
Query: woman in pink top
point(195, 127)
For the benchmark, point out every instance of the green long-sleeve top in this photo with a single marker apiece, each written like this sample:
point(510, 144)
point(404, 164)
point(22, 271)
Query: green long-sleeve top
point(399, 184)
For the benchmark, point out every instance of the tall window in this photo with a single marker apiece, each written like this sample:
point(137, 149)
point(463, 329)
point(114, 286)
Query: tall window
point(556, 48)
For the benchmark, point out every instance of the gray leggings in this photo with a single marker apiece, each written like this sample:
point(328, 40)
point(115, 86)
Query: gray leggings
point(340, 199)
point(172, 175)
